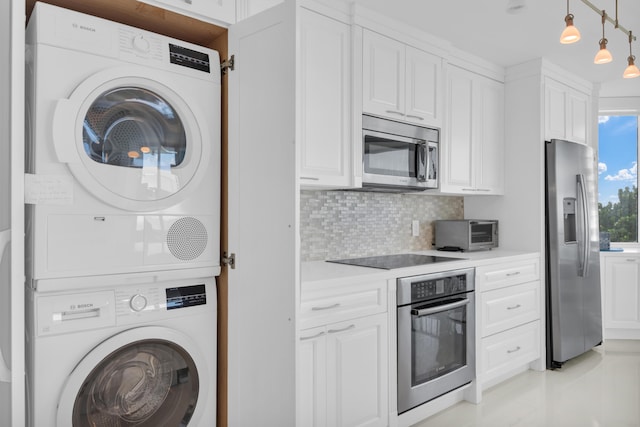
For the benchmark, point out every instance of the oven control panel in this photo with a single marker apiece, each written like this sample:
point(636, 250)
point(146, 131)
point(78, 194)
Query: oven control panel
point(437, 285)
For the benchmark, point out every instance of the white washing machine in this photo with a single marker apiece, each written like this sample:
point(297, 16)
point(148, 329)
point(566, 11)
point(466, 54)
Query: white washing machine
point(123, 149)
point(123, 356)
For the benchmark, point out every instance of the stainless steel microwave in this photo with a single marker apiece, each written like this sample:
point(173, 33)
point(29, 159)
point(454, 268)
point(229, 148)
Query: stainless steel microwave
point(466, 234)
point(398, 156)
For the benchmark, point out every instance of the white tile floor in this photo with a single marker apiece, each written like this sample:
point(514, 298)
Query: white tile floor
point(598, 389)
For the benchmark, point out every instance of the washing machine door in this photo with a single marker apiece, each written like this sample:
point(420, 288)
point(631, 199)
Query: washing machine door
point(133, 141)
point(147, 377)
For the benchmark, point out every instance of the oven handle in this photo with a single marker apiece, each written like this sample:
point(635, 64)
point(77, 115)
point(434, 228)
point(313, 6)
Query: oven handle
point(440, 308)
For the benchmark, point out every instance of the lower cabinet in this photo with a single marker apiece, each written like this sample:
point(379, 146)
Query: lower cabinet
point(510, 309)
point(621, 299)
point(343, 374)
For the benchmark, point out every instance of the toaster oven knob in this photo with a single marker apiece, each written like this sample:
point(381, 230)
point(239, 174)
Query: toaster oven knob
point(138, 302)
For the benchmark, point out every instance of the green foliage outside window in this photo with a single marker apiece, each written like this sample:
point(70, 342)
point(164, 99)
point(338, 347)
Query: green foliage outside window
point(621, 219)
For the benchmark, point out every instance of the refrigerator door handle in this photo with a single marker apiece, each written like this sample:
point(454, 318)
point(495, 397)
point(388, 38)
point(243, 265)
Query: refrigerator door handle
point(585, 226)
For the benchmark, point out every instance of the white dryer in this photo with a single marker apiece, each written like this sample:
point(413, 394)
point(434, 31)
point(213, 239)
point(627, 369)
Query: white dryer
point(123, 149)
point(123, 356)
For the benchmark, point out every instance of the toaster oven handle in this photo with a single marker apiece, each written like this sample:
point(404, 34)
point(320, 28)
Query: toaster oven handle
point(421, 161)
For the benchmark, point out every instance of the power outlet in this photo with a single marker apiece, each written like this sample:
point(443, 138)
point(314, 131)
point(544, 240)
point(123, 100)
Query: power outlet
point(415, 228)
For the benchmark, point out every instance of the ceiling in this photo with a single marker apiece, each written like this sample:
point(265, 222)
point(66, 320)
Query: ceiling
point(486, 29)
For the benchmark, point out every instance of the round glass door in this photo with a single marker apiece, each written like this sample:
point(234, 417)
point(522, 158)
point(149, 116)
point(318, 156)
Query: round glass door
point(147, 383)
point(133, 127)
point(132, 141)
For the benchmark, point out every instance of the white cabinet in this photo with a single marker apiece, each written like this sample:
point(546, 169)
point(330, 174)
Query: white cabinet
point(510, 307)
point(247, 8)
point(621, 286)
point(566, 112)
point(401, 82)
point(472, 155)
point(325, 100)
point(343, 358)
point(214, 11)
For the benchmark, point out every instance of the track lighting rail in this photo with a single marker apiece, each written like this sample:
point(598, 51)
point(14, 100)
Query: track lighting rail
point(614, 22)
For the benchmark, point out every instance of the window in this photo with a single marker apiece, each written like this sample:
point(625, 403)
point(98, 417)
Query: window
point(618, 177)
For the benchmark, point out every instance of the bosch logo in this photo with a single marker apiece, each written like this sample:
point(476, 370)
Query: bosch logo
point(85, 305)
point(83, 27)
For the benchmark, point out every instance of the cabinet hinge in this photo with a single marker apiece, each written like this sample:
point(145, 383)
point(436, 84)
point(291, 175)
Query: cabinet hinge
point(228, 64)
point(229, 259)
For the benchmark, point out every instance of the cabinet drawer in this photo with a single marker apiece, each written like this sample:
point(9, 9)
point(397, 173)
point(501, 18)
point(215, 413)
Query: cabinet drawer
point(328, 305)
point(509, 350)
point(509, 307)
point(507, 274)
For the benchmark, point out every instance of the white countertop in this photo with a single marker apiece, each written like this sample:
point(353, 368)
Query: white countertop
point(329, 272)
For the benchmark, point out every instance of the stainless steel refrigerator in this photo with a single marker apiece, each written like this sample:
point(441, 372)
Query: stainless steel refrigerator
point(574, 311)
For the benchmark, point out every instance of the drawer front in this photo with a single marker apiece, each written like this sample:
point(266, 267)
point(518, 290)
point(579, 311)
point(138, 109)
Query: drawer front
point(509, 307)
point(336, 304)
point(509, 350)
point(507, 274)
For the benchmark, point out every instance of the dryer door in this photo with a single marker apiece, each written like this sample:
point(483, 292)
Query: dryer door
point(134, 142)
point(147, 377)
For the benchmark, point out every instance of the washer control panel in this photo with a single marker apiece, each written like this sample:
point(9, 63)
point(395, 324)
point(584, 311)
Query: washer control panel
point(185, 296)
point(65, 312)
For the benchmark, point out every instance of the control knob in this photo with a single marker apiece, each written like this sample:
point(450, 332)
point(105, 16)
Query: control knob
point(140, 43)
point(138, 302)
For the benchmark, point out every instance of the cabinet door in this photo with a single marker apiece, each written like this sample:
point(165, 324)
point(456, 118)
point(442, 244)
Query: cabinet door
point(12, 137)
point(456, 172)
point(325, 90)
point(311, 400)
point(622, 292)
point(473, 153)
point(488, 152)
point(261, 217)
point(216, 11)
point(423, 87)
point(578, 105)
point(357, 377)
point(555, 110)
point(247, 8)
point(383, 76)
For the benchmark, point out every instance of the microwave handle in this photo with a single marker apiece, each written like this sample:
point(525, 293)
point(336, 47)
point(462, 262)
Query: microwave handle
point(421, 161)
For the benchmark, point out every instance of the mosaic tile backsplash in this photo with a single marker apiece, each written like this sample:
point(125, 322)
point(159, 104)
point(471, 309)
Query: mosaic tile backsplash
point(347, 224)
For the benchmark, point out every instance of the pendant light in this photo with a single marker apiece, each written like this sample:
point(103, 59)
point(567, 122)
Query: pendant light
point(570, 33)
point(603, 56)
point(632, 70)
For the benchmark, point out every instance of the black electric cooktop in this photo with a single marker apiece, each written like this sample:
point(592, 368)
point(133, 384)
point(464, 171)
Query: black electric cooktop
point(389, 262)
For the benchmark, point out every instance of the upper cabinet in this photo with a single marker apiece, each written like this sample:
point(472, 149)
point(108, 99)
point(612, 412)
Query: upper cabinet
point(214, 11)
point(401, 82)
point(247, 8)
point(567, 112)
point(472, 159)
point(325, 101)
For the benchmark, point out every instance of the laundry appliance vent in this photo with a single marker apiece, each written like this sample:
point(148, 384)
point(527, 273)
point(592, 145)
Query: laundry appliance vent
point(187, 238)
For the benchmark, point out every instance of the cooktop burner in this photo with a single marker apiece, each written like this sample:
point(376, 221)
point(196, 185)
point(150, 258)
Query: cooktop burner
point(389, 262)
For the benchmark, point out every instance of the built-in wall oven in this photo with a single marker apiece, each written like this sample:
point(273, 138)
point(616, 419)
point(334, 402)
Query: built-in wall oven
point(436, 335)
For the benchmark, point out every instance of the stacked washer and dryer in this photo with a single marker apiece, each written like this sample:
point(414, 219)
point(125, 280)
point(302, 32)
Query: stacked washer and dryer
point(123, 220)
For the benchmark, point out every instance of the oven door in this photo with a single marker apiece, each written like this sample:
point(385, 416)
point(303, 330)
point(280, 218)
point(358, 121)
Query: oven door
point(436, 341)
